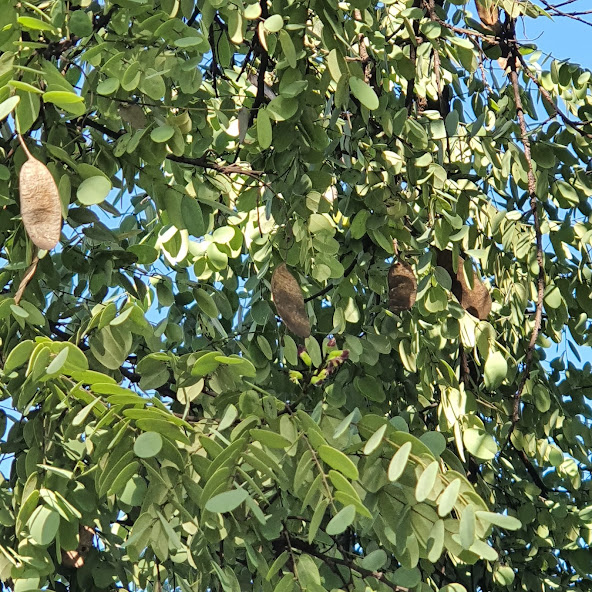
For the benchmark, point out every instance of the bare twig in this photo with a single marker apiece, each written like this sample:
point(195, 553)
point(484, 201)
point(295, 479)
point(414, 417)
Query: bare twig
point(576, 16)
point(547, 97)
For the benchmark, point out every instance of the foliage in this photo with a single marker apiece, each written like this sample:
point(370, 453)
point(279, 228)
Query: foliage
point(151, 392)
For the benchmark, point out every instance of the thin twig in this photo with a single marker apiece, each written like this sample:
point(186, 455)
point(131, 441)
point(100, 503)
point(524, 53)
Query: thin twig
point(545, 94)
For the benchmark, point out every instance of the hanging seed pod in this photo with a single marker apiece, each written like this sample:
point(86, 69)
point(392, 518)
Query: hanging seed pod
point(488, 12)
point(76, 558)
point(402, 287)
point(476, 301)
point(41, 209)
point(289, 302)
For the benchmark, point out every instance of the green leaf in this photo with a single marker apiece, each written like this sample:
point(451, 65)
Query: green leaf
point(264, 131)
point(110, 346)
point(270, 439)
point(162, 134)
point(43, 525)
point(466, 529)
point(8, 106)
point(80, 23)
point(19, 355)
point(338, 461)
point(134, 491)
point(375, 560)
point(364, 93)
point(28, 22)
point(288, 48)
point(282, 108)
point(62, 97)
point(448, 497)
point(152, 84)
point(426, 481)
point(500, 520)
point(27, 110)
point(399, 461)
point(341, 520)
point(227, 501)
point(206, 303)
point(407, 577)
point(274, 23)
point(206, 363)
point(317, 518)
point(496, 370)
point(93, 190)
point(108, 87)
point(148, 444)
point(192, 215)
point(81, 416)
point(375, 440)
point(58, 362)
point(479, 443)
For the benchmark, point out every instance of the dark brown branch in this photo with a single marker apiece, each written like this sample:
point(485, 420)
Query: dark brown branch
point(528, 360)
point(363, 50)
point(536, 478)
point(225, 169)
point(572, 15)
point(365, 573)
point(263, 63)
point(329, 287)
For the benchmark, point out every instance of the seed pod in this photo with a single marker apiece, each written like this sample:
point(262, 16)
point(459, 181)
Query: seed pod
point(488, 12)
point(476, 301)
point(402, 287)
point(41, 209)
point(289, 302)
point(76, 558)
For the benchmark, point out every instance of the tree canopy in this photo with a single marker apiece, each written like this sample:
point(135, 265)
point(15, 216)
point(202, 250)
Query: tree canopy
point(294, 295)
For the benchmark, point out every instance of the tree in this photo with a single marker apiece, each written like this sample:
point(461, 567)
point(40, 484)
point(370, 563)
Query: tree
point(409, 181)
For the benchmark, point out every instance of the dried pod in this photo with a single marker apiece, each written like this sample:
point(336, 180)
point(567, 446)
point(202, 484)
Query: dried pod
point(402, 287)
point(41, 209)
point(289, 301)
point(77, 557)
point(488, 12)
point(476, 301)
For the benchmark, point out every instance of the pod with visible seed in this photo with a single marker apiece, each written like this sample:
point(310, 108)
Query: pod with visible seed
point(41, 209)
point(475, 301)
point(289, 302)
point(402, 287)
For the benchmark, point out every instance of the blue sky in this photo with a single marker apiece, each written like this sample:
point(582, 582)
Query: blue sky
point(564, 38)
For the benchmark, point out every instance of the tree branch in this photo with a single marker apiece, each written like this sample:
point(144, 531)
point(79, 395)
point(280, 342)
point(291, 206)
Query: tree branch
point(225, 169)
point(365, 573)
point(538, 239)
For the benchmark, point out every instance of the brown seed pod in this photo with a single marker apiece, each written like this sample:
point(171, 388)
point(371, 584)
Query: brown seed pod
point(476, 301)
point(77, 557)
point(402, 287)
point(289, 302)
point(41, 209)
point(488, 12)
